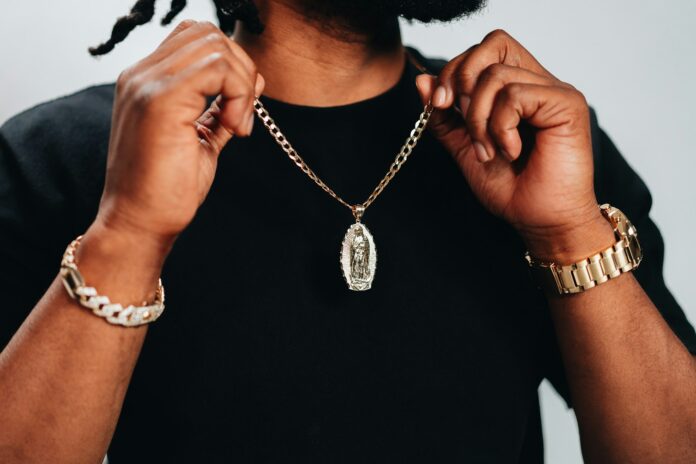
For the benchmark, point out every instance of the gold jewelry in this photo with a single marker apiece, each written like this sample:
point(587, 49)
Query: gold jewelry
point(358, 255)
point(101, 306)
point(623, 256)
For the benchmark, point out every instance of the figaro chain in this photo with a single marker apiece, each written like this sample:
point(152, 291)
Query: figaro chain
point(400, 159)
point(358, 254)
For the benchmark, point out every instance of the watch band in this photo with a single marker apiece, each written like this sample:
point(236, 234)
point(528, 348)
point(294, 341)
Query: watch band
point(623, 256)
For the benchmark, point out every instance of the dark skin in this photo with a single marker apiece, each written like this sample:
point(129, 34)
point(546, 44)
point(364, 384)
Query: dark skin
point(65, 373)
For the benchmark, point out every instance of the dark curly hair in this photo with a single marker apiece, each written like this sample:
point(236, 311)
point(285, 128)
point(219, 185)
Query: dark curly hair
point(228, 12)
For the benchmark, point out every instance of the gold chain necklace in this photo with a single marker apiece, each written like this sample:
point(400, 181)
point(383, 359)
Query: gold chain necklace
point(358, 256)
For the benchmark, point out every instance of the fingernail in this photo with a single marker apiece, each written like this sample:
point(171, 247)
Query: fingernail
point(420, 80)
point(260, 84)
point(439, 96)
point(481, 152)
point(250, 123)
point(206, 119)
point(464, 102)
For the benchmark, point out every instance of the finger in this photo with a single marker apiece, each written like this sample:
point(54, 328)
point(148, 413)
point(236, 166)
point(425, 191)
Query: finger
point(206, 35)
point(442, 97)
point(222, 103)
point(425, 84)
point(242, 56)
point(191, 41)
point(181, 27)
point(209, 76)
point(446, 125)
point(210, 128)
point(196, 31)
point(215, 39)
point(258, 81)
point(192, 52)
point(480, 104)
point(260, 85)
point(559, 108)
point(213, 130)
point(460, 76)
point(190, 31)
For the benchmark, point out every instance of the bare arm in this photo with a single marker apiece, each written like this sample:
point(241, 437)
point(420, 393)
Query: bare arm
point(632, 381)
point(523, 141)
point(64, 374)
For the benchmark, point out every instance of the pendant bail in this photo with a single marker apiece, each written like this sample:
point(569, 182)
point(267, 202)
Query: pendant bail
point(358, 211)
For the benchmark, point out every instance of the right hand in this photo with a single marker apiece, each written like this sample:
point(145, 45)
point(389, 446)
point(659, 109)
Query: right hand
point(164, 142)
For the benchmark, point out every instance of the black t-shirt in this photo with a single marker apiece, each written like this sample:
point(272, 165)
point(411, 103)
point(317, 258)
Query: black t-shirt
point(263, 354)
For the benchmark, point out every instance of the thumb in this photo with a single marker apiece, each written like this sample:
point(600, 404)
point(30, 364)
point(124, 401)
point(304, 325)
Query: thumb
point(447, 125)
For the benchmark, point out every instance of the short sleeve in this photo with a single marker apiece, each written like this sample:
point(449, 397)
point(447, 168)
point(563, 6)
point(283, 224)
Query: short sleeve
point(618, 184)
point(52, 164)
point(24, 271)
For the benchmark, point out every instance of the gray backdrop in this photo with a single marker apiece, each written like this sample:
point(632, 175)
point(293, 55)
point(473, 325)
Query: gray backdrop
point(633, 60)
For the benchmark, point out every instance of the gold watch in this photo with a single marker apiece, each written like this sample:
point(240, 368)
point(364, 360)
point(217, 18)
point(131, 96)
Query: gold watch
point(623, 256)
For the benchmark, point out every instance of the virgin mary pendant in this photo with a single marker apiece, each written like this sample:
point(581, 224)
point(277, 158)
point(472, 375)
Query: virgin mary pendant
point(358, 254)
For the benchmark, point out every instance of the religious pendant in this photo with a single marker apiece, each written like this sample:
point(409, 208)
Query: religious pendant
point(358, 254)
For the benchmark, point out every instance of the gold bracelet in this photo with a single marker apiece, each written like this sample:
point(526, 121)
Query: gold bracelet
point(623, 256)
point(114, 313)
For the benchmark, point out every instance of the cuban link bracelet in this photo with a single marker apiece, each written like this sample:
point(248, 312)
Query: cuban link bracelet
point(358, 255)
point(88, 297)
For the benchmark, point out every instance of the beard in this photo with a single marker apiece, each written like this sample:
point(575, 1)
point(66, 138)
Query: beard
point(365, 11)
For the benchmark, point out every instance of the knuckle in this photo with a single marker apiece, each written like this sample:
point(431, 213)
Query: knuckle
point(497, 130)
point(219, 63)
point(497, 34)
point(494, 72)
point(185, 24)
point(123, 79)
point(582, 108)
point(579, 98)
point(128, 82)
point(207, 26)
point(564, 85)
point(217, 49)
point(465, 80)
point(478, 125)
point(144, 95)
point(576, 99)
point(213, 39)
point(512, 92)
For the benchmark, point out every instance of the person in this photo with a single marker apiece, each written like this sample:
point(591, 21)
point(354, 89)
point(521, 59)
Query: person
point(263, 354)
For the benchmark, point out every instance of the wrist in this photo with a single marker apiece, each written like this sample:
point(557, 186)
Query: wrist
point(121, 264)
point(570, 243)
point(148, 249)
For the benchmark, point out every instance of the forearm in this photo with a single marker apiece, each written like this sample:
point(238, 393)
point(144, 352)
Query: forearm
point(64, 374)
point(632, 381)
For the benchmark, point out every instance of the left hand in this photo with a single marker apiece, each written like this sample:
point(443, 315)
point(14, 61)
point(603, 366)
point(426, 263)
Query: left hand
point(545, 190)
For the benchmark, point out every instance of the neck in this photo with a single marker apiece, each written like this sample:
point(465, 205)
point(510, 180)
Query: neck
point(316, 61)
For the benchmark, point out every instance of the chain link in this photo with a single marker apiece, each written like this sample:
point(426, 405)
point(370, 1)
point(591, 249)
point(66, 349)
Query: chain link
point(400, 159)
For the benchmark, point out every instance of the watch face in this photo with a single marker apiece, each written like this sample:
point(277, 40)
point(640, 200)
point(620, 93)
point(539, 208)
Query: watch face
point(626, 232)
point(635, 248)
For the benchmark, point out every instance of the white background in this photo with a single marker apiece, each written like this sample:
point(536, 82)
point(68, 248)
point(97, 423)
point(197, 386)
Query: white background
point(633, 60)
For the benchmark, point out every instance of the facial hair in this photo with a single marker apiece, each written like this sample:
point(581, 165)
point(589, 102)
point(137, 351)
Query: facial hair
point(360, 11)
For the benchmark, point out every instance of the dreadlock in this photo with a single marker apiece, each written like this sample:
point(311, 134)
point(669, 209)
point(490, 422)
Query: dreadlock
point(174, 9)
point(228, 12)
